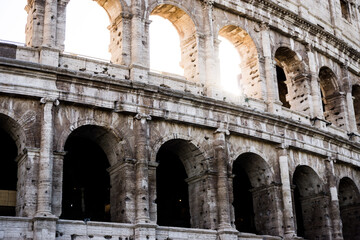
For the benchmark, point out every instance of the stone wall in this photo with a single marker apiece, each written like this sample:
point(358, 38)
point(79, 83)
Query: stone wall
point(301, 162)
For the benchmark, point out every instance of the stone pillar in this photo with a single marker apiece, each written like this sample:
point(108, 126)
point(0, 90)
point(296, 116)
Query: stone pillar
point(223, 201)
point(152, 191)
point(315, 87)
point(58, 166)
point(35, 23)
point(288, 211)
point(46, 159)
point(210, 51)
point(50, 20)
point(334, 18)
point(268, 209)
point(141, 168)
point(61, 24)
point(351, 112)
point(140, 62)
point(26, 190)
point(334, 201)
point(272, 95)
point(120, 42)
point(44, 220)
point(122, 195)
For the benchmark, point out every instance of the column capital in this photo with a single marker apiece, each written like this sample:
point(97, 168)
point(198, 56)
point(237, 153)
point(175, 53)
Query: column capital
point(143, 117)
point(45, 100)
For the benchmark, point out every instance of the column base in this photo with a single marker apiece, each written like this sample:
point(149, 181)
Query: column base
point(44, 227)
point(146, 231)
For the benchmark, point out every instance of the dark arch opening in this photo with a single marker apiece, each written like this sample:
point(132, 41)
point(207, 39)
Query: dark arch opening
point(172, 190)
point(282, 87)
point(299, 215)
point(243, 202)
point(349, 201)
point(356, 96)
point(86, 185)
point(311, 204)
point(8, 174)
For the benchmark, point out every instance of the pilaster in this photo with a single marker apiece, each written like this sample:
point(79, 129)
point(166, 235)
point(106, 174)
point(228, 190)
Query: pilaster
point(288, 211)
point(44, 199)
point(334, 201)
point(221, 158)
point(141, 168)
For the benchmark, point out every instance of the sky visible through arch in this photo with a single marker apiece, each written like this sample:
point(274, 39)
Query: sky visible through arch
point(87, 34)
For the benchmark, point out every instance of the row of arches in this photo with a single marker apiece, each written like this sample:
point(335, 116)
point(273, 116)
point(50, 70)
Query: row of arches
point(91, 192)
point(324, 98)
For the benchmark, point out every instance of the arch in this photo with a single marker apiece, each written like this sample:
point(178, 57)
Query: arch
point(186, 29)
point(349, 202)
point(196, 205)
point(254, 191)
point(311, 203)
point(86, 196)
point(291, 65)
point(103, 135)
point(10, 147)
point(356, 97)
point(331, 99)
point(249, 79)
point(201, 159)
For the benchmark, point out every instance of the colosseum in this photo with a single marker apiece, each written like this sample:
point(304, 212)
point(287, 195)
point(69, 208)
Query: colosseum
point(113, 150)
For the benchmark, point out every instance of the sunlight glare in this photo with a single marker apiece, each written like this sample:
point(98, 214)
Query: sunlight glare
point(86, 29)
point(165, 52)
point(13, 20)
point(230, 71)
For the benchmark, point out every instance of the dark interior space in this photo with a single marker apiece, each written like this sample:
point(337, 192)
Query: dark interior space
point(282, 87)
point(298, 212)
point(243, 202)
point(86, 189)
point(8, 169)
point(172, 191)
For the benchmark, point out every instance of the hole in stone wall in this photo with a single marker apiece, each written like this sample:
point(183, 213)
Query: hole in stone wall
point(356, 96)
point(8, 174)
point(345, 9)
point(172, 190)
point(243, 201)
point(282, 87)
point(86, 29)
point(86, 185)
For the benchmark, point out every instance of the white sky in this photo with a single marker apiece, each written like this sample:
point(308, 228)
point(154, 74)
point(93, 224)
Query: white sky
point(87, 34)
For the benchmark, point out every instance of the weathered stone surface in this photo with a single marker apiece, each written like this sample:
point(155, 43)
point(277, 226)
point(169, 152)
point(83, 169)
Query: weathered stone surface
point(288, 147)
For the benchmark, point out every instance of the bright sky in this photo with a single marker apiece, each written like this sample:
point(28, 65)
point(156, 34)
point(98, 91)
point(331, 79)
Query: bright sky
point(88, 35)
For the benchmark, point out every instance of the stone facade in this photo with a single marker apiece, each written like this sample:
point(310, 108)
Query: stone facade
point(280, 161)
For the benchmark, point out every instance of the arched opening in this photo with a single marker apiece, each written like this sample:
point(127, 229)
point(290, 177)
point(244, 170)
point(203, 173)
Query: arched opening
point(282, 87)
point(243, 203)
point(247, 76)
point(165, 52)
point(172, 189)
point(356, 97)
point(253, 191)
point(230, 71)
point(291, 71)
point(311, 204)
point(13, 20)
point(86, 184)
point(86, 29)
point(331, 99)
point(349, 201)
point(188, 40)
point(8, 173)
